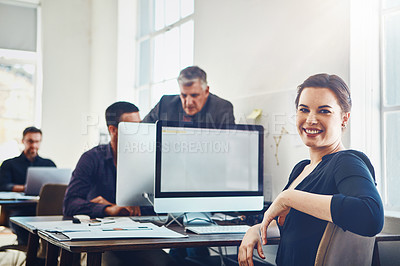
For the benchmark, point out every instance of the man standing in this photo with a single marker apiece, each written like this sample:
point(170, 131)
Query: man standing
point(92, 189)
point(13, 171)
point(194, 104)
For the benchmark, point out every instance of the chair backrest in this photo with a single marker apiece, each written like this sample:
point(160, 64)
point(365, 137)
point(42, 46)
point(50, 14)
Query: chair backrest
point(51, 199)
point(339, 247)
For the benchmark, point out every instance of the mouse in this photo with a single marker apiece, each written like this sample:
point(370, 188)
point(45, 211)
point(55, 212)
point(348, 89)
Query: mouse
point(80, 218)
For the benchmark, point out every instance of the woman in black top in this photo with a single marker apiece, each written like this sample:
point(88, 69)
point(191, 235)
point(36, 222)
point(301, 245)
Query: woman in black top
point(335, 185)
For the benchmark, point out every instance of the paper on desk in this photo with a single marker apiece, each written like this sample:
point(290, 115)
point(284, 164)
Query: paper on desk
point(123, 227)
point(64, 226)
point(151, 231)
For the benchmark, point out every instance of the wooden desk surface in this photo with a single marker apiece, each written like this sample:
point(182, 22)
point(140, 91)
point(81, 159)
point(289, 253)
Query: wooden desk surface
point(193, 240)
point(16, 202)
point(8, 204)
point(387, 237)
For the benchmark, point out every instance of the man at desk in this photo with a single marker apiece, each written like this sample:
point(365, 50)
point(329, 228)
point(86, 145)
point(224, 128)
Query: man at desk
point(194, 104)
point(13, 171)
point(13, 175)
point(92, 188)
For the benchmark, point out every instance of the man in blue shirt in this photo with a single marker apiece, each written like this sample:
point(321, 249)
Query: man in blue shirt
point(92, 189)
point(13, 175)
point(13, 171)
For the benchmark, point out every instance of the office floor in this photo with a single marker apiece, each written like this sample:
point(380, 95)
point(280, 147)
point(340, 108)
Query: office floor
point(10, 257)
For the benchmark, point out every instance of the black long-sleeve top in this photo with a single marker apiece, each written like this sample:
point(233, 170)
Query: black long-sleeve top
point(356, 205)
point(13, 171)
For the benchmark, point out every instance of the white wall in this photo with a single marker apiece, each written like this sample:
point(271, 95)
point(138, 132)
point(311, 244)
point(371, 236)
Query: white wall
point(66, 78)
point(79, 74)
point(256, 46)
point(255, 50)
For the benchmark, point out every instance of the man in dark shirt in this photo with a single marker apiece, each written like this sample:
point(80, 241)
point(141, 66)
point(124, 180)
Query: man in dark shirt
point(13, 171)
point(13, 175)
point(92, 189)
point(194, 104)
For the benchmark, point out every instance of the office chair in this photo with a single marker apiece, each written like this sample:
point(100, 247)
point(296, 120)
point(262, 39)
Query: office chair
point(51, 199)
point(339, 247)
point(50, 202)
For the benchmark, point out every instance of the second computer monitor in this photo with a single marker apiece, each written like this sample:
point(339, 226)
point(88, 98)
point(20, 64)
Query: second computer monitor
point(135, 164)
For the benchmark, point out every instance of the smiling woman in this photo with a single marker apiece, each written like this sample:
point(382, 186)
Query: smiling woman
point(320, 119)
point(335, 185)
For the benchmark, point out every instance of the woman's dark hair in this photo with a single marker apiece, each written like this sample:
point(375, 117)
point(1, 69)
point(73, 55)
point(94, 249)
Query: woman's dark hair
point(332, 82)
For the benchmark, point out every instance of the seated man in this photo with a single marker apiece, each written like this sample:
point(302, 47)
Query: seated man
point(92, 189)
point(13, 175)
point(194, 104)
point(13, 171)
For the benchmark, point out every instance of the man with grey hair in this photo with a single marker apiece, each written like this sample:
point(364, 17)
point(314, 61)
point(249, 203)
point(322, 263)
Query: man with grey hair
point(194, 104)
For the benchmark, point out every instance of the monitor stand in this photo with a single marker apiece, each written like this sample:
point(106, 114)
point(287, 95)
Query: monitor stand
point(197, 219)
point(173, 217)
point(190, 219)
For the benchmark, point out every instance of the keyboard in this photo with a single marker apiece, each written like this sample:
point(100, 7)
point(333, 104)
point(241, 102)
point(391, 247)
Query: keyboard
point(218, 229)
point(150, 219)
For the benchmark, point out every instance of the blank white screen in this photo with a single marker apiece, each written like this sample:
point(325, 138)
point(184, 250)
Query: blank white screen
point(198, 159)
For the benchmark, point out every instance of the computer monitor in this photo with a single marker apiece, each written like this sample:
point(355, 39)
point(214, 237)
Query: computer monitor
point(135, 163)
point(200, 168)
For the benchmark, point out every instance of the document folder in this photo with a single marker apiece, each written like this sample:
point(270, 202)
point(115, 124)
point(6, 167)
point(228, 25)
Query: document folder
point(123, 228)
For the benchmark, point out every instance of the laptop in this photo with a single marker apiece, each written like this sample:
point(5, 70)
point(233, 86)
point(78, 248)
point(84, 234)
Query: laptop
point(36, 177)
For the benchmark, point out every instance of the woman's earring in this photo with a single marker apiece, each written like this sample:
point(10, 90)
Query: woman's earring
point(344, 125)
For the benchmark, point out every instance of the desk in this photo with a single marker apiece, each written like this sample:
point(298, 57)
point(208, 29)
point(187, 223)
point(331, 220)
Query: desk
point(382, 237)
point(71, 249)
point(7, 204)
point(94, 248)
point(33, 239)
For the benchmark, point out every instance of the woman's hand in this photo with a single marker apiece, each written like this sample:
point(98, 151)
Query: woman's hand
point(277, 208)
point(250, 240)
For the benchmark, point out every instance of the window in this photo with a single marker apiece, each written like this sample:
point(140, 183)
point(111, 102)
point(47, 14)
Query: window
point(165, 46)
point(17, 93)
point(20, 104)
point(390, 101)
